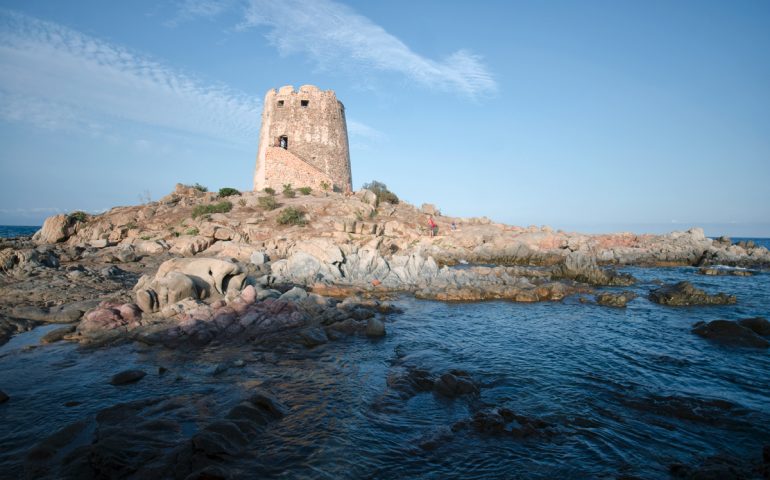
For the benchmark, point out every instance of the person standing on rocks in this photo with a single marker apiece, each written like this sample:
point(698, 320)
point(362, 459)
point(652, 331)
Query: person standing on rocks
point(432, 226)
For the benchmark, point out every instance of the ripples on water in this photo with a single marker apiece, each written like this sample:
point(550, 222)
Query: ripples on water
point(628, 390)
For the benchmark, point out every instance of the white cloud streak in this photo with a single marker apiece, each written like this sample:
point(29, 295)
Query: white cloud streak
point(361, 130)
point(335, 35)
point(55, 77)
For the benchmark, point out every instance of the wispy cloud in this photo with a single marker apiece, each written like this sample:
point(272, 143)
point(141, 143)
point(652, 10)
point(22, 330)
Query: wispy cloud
point(190, 9)
point(358, 129)
point(56, 77)
point(333, 34)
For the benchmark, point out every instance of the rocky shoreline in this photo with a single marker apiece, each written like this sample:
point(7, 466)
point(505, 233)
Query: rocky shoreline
point(164, 273)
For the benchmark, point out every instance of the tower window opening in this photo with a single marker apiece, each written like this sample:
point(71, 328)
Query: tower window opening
point(280, 103)
point(304, 103)
point(283, 142)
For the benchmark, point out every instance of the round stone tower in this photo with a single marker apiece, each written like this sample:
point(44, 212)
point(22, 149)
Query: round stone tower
point(303, 141)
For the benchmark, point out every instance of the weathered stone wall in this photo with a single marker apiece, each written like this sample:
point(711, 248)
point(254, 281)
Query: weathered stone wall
point(282, 167)
point(314, 123)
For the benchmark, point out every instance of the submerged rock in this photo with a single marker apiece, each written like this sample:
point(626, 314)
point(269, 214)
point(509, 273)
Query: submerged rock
point(454, 384)
point(731, 333)
point(4, 397)
point(375, 328)
point(126, 377)
point(684, 294)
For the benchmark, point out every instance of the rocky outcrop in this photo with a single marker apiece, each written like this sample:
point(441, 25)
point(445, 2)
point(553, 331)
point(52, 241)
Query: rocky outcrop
point(685, 294)
point(55, 229)
point(181, 278)
point(582, 267)
point(745, 333)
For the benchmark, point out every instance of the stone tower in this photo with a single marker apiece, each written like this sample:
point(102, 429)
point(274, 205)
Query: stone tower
point(303, 140)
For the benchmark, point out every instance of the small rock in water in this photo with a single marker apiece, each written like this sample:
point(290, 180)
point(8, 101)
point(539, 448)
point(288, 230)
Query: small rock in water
point(126, 377)
point(375, 328)
point(730, 333)
point(221, 368)
point(57, 334)
point(72, 403)
point(239, 363)
point(162, 370)
point(611, 299)
point(684, 294)
point(312, 337)
point(3, 397)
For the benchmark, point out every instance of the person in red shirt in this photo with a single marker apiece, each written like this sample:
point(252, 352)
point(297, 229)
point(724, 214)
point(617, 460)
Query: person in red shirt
point(432, 226)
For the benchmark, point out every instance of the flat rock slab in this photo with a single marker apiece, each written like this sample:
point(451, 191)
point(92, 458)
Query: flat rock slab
point(126, 377)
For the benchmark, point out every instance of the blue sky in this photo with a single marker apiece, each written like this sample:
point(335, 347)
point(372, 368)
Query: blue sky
point(594, 116)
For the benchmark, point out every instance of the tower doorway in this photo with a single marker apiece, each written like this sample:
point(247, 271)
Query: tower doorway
point(283, 142)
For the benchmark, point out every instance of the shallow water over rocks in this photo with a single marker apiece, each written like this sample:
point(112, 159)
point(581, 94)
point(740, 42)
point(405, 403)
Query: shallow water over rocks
point(578, 390)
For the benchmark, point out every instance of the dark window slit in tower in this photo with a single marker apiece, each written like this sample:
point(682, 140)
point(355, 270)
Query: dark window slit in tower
point(304, 103)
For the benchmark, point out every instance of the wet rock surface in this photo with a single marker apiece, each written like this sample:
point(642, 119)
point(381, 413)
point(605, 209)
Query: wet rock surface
point(685, 294)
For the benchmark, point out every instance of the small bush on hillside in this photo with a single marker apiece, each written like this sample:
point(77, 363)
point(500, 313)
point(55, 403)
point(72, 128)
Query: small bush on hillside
point(382, 192)
point(192, 231)
point(288, 192)
point(268, 203)
point(305, 190)
point(228, 192)
point(78, 216)
point(200, 187)
point(292, 216)
point(221, 207)
point(269, 191)
point(325, 186)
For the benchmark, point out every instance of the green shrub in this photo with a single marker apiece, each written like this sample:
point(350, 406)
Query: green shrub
point(221, 207)
point(269, 191)
point(200, 187)
point(77, 216)
point(292, 216)
point(268, 203)
point(325, 186)
point(242, 202)
point(228, 192)
point(288, 192)
point(382, 192)
point(305, 190)
point(132, 225)
point(145, 237)
point(192, 231)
